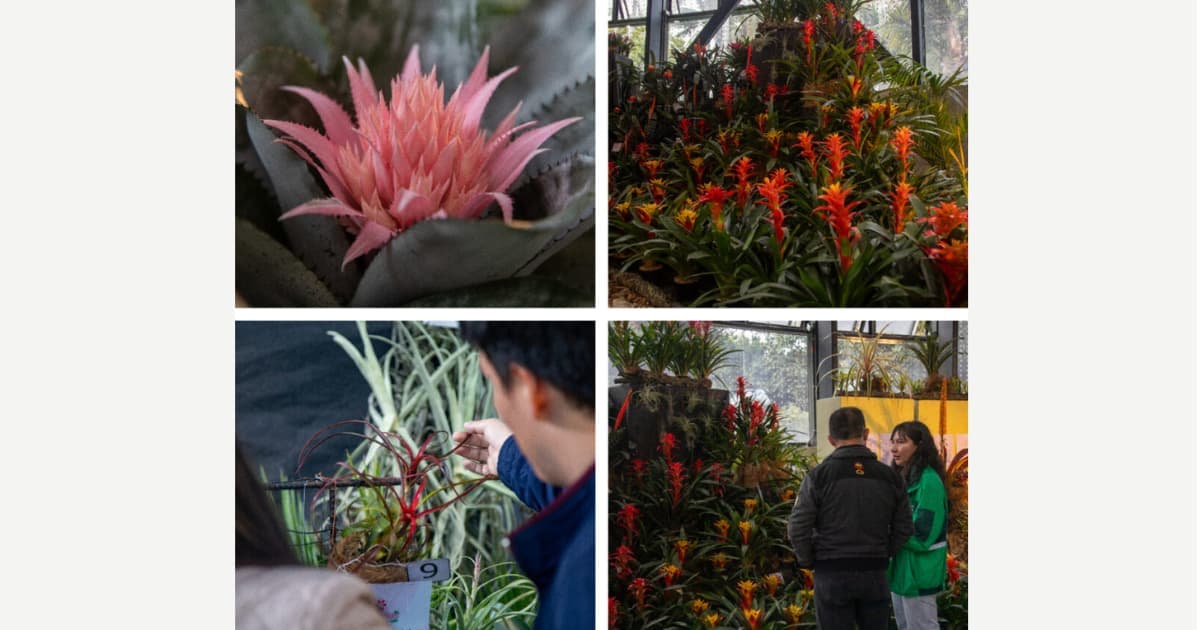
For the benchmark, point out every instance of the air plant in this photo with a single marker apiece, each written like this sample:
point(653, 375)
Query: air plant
point(387, 521)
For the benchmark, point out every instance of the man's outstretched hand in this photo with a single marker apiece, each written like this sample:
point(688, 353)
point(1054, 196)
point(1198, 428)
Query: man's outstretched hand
point(481, 441)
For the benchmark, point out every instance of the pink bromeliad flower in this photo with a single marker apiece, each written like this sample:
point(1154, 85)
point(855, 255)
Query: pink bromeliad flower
point(413, 157)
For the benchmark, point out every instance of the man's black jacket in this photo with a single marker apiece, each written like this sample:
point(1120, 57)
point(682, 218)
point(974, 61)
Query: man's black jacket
point(852, 513)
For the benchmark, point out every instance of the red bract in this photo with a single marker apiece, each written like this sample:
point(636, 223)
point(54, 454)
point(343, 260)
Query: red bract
point(804, 140)
point(900, 202)
point(621, 560)
point(627, 518)
point(614, 611)
point(944, 218)
point(810, 28)
point(951, 259)
point(835, 149)
point(730, 414)
point(741, 388)
point(727, 96)
point(697, 466)
point(675, 477)
point(743, 169)
point(773, 190)
point(639, 468)
point(715, 197)
point(638, 588)
point(902, 141)
point(667, 445)
point(856, 115)
point(837, 211)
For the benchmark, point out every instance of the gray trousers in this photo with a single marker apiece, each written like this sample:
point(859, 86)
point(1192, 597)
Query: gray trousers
point(916, 613)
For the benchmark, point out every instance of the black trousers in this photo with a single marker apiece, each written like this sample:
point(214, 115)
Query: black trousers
point(847, 598)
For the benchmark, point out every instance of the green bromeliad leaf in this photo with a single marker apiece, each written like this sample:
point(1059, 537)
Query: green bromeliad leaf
point(268, 274)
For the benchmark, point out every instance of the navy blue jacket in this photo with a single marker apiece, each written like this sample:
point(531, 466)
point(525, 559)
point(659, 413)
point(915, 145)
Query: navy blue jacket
point(556, 547)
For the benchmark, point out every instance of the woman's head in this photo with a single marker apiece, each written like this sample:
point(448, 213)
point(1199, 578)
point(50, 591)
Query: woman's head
point(913, 449)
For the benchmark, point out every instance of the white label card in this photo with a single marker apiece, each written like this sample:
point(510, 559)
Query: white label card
point(436, 570)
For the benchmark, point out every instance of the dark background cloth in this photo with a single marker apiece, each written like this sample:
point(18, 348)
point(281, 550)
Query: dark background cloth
point(291, 381)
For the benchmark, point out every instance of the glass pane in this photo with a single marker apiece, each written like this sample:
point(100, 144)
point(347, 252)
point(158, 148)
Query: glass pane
point(737, 27)
point(946, 36)
point(691, 6)
point(892, 22)
point(778, 368)
point(637, 39)
point(630, 8)
point(962, 351)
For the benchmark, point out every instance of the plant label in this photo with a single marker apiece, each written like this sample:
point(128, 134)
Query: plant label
point(435, 570)
point(404, 604)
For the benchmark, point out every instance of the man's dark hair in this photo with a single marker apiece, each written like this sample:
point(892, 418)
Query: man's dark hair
point(847, 423)
point(561, 353)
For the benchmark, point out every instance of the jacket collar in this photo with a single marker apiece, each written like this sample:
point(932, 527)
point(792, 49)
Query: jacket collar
point(851, 452)
point(539, 543)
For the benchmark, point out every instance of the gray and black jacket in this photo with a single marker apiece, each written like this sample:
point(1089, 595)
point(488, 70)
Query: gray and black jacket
point(852, 513)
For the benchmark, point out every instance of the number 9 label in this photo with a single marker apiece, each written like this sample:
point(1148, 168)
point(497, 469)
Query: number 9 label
point(436, 570)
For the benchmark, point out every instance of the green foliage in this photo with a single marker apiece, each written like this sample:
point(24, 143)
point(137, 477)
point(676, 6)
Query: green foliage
point(930, 353)
point(772, 106)
point(496, 596)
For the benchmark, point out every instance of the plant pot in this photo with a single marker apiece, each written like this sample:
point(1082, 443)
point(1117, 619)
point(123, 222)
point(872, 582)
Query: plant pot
point(404, 604)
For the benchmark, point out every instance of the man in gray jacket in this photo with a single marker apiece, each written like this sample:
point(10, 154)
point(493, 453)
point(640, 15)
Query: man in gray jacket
point(852, 514)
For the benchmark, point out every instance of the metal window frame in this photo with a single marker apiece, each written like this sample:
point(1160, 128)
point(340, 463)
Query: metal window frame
point(659, 17)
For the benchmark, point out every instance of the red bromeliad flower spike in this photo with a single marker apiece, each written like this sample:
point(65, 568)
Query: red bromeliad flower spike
point(835, 149)
point(838, 212)
point(899, 197)
point(413, 157)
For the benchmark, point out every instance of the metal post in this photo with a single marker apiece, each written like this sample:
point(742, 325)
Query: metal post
point(656, 40)
point(724, 9)
point(826, 347)
point(945, 332)
point(917, 11)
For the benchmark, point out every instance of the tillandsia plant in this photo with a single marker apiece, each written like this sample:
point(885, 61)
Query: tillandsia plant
point(805, 167)
point(385, 522)
point(348, 196)
point(931, 354)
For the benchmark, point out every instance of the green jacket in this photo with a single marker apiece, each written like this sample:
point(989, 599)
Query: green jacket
point(920, 566)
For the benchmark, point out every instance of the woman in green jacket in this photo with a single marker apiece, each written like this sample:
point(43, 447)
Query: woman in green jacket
point(917, 573)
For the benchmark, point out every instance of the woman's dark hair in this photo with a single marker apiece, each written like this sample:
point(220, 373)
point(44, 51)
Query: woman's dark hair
point(561, 353)
point(260, 539)
point(925, 455)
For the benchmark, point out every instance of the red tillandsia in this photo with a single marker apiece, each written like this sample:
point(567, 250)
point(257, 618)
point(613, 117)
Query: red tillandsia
point(685, 128)
point(715, 197)
point(773, 191)
point(629, 395)
point(623, 561)
point(743, 168)
point(838, 212)
point(627, 517)
point(835, 150)
point(675, 477)
point(412, 157)
point(855, 116)
point(638, 587)
point(804, 140)
point(667, 445)
point(951, 259)
point(746, 589)
point(902, 141)
point(752, 73)
point(944, 218)
point(900, 203)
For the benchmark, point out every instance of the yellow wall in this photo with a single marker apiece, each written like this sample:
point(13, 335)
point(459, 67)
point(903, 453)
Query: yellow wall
point(884, 413)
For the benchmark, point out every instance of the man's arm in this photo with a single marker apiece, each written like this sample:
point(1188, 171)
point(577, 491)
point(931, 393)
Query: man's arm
point(516, 473)
point(902, 524)
point(801, 523)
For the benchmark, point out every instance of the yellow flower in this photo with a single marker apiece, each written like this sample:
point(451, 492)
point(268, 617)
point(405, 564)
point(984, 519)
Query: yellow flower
point(711, 620)
point(787, 495)
point(681, 549)
point(750, 504)
point(744, 527)
point(699, 606)
point(722, 528)
point(772, 582)
point(794, 613)
point(623, 209)
point(646, 212)
point(719, 560)
point(686, 219)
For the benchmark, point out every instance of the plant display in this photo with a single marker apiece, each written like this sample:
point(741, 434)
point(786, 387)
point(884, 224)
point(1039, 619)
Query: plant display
point(867, 367)
point(698, 528)
point(425, 384)
point(931, 354)
point(806, 167)
point(669, 351)
point(420, 198)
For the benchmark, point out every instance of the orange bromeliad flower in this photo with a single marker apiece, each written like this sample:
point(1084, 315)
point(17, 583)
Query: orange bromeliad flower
point(771, 583)
point(670, 573)
point(753, 617)
point(743, 168)
point(762, 120)
point(675, 477)
point(837, 211)
point(645, 212)
point(794, 613)
point(715, 197)
point(711, 619)
point(412, 157)
point(719, 560)
point(773, 137)
point(773, 190)
point(658, 189)
point(697, 164)
point(638, 587)
point(900, 203)
point(856, 85)
point(744, 527)
point(727, 96)
point(787, 495)
point(856, 115)
point(902, 141)
point(652, 167)
point(699, 607)
point(750, 504)
point(623, 209)
point(722, 529)
point(686, 219)
point(951, 259)
point(804, 140)
point(835, 148)
point(944, 218)
point(747, 588)
point(681, 550)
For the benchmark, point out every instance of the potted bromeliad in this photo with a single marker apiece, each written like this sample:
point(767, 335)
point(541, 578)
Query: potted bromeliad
point(382, 528)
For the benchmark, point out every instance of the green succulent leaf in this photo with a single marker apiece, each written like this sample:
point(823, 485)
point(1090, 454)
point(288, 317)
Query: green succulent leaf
point(281, 23)
point(530, 291)
point(268, 274)
point(317, 240)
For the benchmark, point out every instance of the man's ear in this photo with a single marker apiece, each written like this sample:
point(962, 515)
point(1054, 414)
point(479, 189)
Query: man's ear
point(866, 432)
point(537, 391)
point(832, 442)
